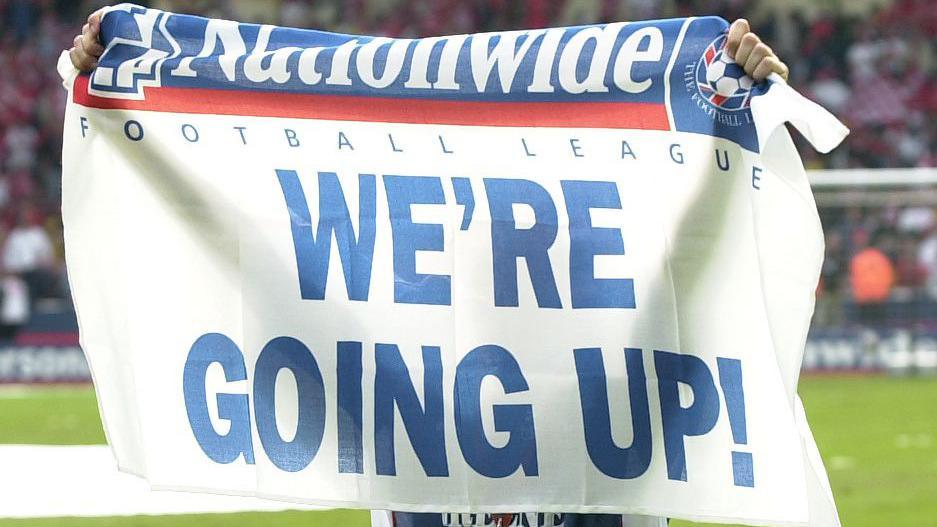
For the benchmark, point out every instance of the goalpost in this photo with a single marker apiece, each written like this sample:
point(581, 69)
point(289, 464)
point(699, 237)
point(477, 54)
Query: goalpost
point(906, 340)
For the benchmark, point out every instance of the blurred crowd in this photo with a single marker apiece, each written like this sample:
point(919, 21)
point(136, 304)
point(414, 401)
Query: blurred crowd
point(881, 263)
point(873, 63)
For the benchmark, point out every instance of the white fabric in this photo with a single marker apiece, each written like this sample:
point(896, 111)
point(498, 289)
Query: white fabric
point(60, 481)
point(186, 261)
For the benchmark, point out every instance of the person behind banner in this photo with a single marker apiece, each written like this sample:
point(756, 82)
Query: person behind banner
point(756, 58)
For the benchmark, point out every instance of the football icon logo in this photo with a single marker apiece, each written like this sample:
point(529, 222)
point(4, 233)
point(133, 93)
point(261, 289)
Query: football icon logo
point(720, 80)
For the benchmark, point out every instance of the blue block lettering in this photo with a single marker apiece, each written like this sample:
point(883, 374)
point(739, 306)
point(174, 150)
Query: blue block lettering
point(350, 444)
point(411, 287)
point(587, 241)
point(289, 353)
point(235, 408)
point(313, 252)
point(462, 188)
point(508, 243)
point(609, 458)
point(425, 427)
point(516, 419)
point(679, 422)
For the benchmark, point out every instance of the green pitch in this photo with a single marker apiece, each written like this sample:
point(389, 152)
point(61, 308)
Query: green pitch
point(878, 437)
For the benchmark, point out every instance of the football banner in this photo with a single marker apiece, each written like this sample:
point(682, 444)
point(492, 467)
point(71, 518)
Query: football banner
point(557, 270)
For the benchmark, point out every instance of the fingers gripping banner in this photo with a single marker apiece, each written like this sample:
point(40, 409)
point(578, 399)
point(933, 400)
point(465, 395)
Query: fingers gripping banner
point(561, 270)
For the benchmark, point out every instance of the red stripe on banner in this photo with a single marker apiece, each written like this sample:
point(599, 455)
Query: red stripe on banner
point(627, 115)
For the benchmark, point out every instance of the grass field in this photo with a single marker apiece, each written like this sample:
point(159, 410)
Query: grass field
point(878, 437)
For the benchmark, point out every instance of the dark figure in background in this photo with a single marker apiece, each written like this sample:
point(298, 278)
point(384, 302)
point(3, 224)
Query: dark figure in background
point(872, 276)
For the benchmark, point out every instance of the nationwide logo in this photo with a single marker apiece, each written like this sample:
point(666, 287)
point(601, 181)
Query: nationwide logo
point(720, 81)
point(619, 62)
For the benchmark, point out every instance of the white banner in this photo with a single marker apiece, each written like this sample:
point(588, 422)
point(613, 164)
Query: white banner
point(87, 485)
point(565, 270)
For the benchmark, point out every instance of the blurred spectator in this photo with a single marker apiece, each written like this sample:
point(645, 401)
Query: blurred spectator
point(28, 253)
point(915, 219)
point(14, 300)
point(829, 307)
point(910, 275)
point(927, 259)
point(830, 91)
point(872, 276)
point(14, 305)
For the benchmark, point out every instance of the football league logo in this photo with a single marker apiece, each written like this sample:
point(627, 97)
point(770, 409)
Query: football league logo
point(134, 54)
point(720, 80)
